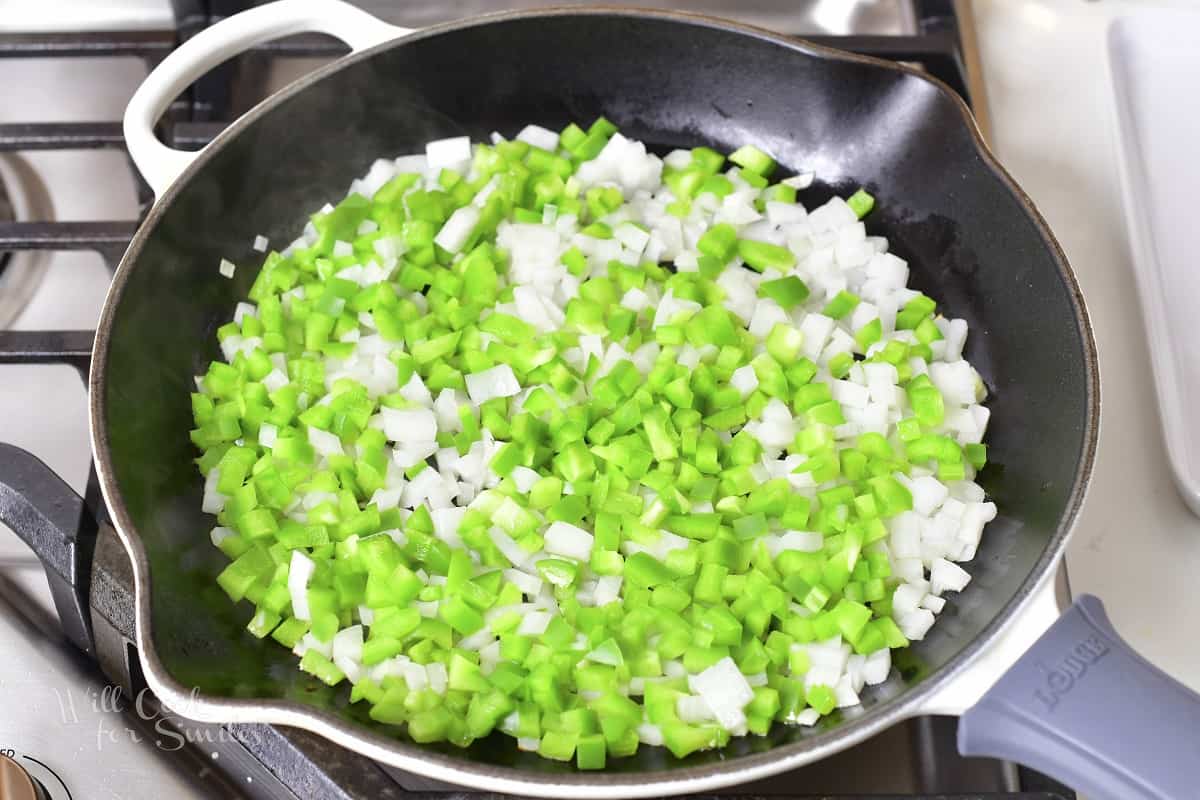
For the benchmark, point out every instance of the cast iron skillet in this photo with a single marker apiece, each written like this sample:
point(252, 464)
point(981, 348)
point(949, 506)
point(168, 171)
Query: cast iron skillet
point(972, 238)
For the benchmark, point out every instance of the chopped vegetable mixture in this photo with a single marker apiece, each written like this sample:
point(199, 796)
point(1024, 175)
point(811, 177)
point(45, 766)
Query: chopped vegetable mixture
point(557, 438)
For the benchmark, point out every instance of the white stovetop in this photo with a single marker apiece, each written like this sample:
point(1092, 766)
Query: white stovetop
point(1137, 546)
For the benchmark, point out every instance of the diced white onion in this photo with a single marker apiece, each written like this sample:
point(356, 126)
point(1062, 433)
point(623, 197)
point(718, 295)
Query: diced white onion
point(219, 534)
point(528, 584)
point(915, 624)
point(877, 667)
point(267, 434)
point(538, 136)
point(409, 424)
point(650, 734)
point(508, 547)
point(324, 442)
point(945, 576)
point(214, 501)
point(435, 673)
point(348, 643)
point(457, 229)
point(534, 623)
point(744, 380)
point(802, 541)
point(725, 690)
point(693, 709)
point(498, 381)
point(300, 572)
point(565, 539)
point(451, 153)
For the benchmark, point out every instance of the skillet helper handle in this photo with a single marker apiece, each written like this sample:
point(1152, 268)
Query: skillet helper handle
point(1083, 707)
point(57, 525)
point(159, 164)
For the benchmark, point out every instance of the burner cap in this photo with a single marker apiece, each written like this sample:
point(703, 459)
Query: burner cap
point(23, 196)
point(7, 214)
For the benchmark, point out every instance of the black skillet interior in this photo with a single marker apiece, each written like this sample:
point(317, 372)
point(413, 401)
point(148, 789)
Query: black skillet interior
point(971, 243)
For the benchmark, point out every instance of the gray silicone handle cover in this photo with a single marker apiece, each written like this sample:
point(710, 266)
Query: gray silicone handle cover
point(1083, 707)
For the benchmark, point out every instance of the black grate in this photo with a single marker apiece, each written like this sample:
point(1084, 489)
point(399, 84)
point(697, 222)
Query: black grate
point(283, 762)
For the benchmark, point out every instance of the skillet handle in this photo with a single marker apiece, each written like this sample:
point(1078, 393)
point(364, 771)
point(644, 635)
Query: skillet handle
point(57, 525)
point(1083, 707)
point(159, 164)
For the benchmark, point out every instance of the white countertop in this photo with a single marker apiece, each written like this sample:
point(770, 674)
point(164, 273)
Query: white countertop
point(1137, 546)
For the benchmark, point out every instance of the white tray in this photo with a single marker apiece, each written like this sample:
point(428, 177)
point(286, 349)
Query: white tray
point(1154, 56)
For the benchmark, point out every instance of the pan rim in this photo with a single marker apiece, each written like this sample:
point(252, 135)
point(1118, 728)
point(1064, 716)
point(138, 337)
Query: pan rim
point(459, 770)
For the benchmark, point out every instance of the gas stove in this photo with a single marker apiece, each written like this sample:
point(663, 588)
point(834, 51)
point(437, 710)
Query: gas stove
point(75, 716)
